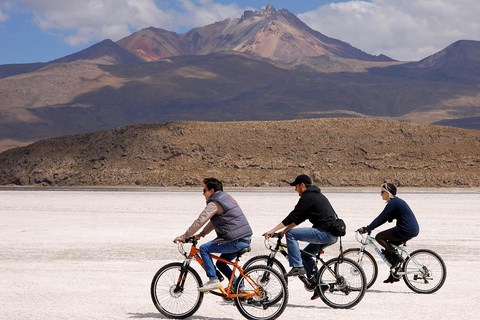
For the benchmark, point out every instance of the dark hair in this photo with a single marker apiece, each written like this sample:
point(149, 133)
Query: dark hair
point(213, 183)
point(390, 187)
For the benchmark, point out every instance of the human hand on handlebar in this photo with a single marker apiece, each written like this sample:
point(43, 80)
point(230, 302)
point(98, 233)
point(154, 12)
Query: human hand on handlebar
point(178, 239)
point(361, 230)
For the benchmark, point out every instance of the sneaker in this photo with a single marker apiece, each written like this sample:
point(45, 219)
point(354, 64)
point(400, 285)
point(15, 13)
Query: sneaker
point(210, 285)
point(296, 271)
point(391, 279)
point(316, 293)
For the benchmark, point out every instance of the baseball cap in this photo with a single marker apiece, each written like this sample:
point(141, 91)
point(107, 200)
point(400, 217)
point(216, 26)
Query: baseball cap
point(303, 178)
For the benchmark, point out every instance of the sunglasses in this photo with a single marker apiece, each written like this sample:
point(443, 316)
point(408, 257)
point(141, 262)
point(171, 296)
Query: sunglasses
point(204, 190)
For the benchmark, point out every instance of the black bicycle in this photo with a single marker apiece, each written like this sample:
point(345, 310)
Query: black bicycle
point(341, 281)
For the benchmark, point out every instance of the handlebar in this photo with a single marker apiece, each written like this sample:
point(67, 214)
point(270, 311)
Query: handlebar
point(188, 240)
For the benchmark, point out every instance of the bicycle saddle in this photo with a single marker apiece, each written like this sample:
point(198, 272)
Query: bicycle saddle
point(244, 250)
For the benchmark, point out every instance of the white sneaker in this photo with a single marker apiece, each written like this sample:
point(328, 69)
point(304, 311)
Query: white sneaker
point(210, 285)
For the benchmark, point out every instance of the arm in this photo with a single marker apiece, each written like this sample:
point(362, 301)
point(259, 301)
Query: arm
point(381, 219)
point(202, 219)
point(269, 234)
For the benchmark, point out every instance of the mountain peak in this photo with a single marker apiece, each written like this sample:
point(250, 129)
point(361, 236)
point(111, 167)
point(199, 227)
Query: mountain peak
point(268, 33)
point(269, 10)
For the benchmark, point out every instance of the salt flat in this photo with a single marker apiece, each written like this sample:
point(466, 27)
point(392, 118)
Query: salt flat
point(91, 254)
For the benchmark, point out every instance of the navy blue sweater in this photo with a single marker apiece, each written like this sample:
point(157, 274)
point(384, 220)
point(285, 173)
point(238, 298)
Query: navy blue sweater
point(397, 209)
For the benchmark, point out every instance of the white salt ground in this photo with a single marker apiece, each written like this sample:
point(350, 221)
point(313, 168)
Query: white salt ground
point(91, 254)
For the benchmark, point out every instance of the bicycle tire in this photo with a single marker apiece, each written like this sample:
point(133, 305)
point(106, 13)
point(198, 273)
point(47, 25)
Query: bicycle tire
point(346, 288)
point(432, 275)
point(178, 305)
point(366, 262)
point(262, 260)
point(262, 307)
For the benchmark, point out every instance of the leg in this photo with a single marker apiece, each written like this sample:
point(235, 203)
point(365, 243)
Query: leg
point(384, 238)
point(229, 249)
point(310, 235)
point(223, 267)
point(308, 261)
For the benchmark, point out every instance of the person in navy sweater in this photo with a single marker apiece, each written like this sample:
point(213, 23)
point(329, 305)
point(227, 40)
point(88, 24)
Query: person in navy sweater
point(406, 226)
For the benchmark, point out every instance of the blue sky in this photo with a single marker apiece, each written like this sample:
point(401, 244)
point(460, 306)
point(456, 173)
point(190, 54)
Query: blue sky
point(44, 30)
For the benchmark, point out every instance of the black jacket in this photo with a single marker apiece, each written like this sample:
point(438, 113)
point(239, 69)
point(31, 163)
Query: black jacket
point(315, 207)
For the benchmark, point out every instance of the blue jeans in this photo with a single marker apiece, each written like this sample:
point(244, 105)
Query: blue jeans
point(228, 252)
point(318, 240)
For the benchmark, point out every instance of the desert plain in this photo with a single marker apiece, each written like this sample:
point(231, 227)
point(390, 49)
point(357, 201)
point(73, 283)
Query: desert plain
point(92, 253)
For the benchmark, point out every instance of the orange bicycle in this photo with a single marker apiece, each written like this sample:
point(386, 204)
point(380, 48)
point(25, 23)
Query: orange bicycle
point(260, 292)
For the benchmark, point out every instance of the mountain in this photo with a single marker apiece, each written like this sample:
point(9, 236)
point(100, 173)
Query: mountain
point(335, 152)
point(224, 72)
point(271, 34)
point(104, 52)
point(459, 62)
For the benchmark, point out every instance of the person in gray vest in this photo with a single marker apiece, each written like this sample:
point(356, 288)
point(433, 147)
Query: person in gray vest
point(224, 215)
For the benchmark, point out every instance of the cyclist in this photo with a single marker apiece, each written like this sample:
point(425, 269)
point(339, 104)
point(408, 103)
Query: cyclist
point(234, 233)
point(405, 229)
point(315, 207)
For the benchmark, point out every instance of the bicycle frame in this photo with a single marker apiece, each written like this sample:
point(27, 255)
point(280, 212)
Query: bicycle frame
point(372, 242)
point(224, 292)
point(282, 248)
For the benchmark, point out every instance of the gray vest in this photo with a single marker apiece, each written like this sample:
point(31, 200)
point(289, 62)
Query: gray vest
point(231, 224)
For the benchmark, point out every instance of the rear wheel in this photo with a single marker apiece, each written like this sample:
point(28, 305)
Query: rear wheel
point(424, 271)
point(175, 293)
point(271, 293)
point(346, 283)
point(366, 261)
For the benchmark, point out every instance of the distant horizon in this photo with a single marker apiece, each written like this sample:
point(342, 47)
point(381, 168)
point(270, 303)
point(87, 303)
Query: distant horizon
point(42, 30)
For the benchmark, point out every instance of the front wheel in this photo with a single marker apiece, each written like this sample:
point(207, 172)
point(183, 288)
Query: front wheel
point(366, 261)
point(346, 283)
point(264, 260)
point(424, 271)
point(270, 289)
point(175, 292)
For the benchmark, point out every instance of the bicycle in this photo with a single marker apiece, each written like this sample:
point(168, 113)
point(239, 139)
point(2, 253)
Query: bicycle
point(423, 270)
point(175, 294)
point(341, 282)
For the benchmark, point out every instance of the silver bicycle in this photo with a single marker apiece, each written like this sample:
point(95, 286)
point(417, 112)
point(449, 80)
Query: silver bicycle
point(423, 270)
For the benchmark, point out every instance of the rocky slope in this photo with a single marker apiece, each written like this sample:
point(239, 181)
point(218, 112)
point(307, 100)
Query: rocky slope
point(335, 152)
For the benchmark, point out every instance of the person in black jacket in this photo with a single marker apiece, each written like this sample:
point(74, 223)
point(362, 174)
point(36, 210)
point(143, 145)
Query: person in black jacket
point(315, 207)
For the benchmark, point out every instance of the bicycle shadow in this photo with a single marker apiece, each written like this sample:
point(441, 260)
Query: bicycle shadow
point(388, 291)
point(151, 315)
point(307, 306)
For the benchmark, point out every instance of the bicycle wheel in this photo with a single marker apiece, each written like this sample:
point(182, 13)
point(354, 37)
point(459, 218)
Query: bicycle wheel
point(262, 260)
point(346, 283)
point(273, 297)
point(366, 261)
point(425, 271)
point(176, 295)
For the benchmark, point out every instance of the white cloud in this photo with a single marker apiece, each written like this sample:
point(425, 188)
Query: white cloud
point(83, 21)
point(203, 12)
point(4, 7)
point(403, 30)
point(80, 22)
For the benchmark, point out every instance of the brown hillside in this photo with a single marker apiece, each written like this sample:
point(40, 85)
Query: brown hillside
point(336, 152)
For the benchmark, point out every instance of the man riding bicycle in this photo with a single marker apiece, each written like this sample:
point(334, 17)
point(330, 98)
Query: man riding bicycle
point(315, 207)
point(234, 233)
